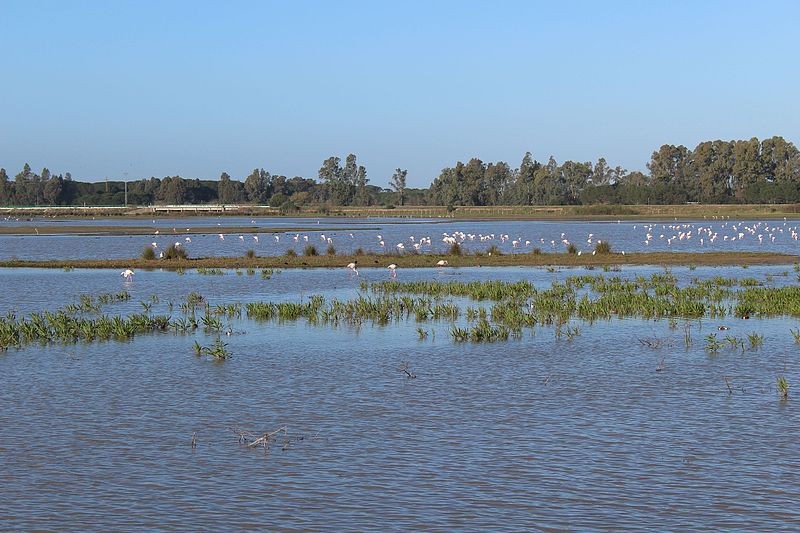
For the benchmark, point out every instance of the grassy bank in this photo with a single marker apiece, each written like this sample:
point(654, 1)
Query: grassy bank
point(423, 261)
point(571, 212)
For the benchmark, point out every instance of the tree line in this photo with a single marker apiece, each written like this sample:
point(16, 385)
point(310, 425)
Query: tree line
point(738, 171)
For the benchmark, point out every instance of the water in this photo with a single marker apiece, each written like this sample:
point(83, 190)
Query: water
point(347, 235)
point(539, 433)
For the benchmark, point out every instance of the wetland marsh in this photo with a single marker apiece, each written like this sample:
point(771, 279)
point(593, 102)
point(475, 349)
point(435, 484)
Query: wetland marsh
point(515, 397)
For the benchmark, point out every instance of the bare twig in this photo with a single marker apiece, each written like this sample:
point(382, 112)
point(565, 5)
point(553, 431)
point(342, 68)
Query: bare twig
point(728, 384)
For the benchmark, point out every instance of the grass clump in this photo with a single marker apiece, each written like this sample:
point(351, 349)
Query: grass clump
point(494, 250)
point(291, 253)
point(250, 254)
point(783, 388)
point(455, 249)
point(602, 247)
point(175, 252)
point(148, 254)
point(572, 249)
point(310, 251)
point(330, 250)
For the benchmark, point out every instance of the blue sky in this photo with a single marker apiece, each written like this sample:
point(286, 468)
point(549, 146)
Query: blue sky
point(196, 88)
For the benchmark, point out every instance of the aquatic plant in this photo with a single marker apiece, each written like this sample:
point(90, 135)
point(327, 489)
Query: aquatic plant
point(210, 271)
point(756, 340)
point(783, 388)
point(217, 350)
point(712, 344)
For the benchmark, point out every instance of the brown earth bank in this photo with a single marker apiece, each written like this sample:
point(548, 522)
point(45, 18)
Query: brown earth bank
point(429, 261)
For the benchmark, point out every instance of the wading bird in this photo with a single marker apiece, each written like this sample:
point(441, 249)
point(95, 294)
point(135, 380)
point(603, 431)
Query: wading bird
point(392, 270)
point(127, 274)
point(352, 267)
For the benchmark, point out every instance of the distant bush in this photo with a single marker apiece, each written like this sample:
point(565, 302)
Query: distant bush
point(602, 247)
point(455, 249)
point(288, 207)
point(494, 250)
point(536, 251)
point(359, 251)
point(330, 250)
point(291, 253)
point(572, 249)
point(250, 254)
point(175, 252)
point(310, 250)
point(148, 253)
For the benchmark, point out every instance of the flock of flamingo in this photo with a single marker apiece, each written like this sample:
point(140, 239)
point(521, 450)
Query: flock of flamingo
point(716, 234)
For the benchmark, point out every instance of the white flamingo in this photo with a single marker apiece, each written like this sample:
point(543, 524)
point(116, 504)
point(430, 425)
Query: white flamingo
point(392, 270)
point(127, 274)
point(352, 266)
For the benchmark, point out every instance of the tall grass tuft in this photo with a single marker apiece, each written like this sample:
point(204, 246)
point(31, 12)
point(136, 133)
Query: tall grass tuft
point(250, 254)
point(783, 388)
point(310, 250)
point(455, 249)
point(148, 254)
point(602, 247)
point(175, 252)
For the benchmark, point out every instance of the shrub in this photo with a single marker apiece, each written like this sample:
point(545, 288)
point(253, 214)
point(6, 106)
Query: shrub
point(455, 249)
point(175, 252)
point(494, 250)
point(602, 247)
point(536, 251)
point(250, 254)
point(291, 253)
point(572, 249)
point(359, 251)
point(148, 253)
point(288, 207)
point(330, 250)
point(310, 250)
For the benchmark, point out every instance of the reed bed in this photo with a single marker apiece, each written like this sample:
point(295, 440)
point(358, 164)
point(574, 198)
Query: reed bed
point(499, 310)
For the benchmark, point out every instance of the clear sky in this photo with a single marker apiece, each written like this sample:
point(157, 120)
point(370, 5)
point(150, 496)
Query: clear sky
point(194, 88)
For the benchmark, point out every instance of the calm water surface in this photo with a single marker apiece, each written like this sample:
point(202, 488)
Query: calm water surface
point(538, 433)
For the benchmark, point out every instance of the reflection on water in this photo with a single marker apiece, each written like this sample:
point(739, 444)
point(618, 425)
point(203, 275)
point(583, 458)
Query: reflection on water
point(534, 433)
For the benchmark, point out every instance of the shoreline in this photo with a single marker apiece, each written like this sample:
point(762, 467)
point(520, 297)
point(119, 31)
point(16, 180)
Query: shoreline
point(424, 261)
